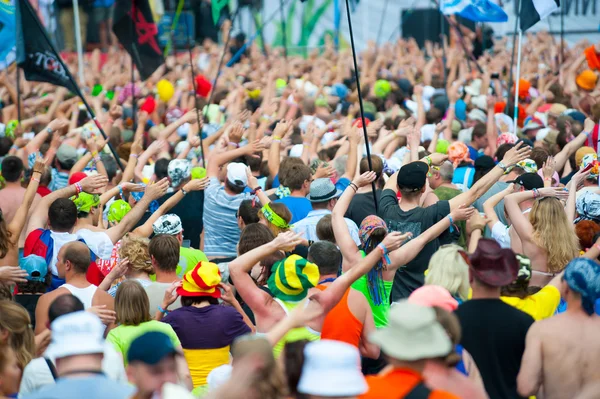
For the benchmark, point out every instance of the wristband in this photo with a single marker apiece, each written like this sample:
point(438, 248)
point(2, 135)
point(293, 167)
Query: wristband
point(353, 186)
point(78, 189)
point(597, 246)
point(587, 133)
point(97, 159)
point(110, 120)
point(163, 311)
point(428, 160)
point(121, 191)
point(36, 180)
point(547, 179)
point(536, 193)
point(276, 138)
point(14, 147)
point(451, 105)
point(384, 254)
point(236, 145)
point(452, 225)
point(256, 190)
point(133, 155)
point(183, 192)
point(94, 154)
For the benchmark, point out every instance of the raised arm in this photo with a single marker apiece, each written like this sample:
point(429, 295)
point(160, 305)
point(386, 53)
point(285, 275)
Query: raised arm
point(350, 253)
point(512, 156)
point(274, 152)
point(39, 217)
point(18, 222)
point(239, 269)
point(153, 192)
point(218, 160)
point(189, 117)
point(575, 182)
point(489, 205)
point(573, 145)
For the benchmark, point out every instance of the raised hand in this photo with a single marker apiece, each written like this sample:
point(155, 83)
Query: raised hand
point(287, 241)
point(556, 192)
point(252, 181)
point(190, 116)
point(255, 147)
point(324, 171)
point(365, 179)
point(116, 111)
point(236, 132)
point(171, 294)
point(588, 125)
point(395, 239)
point(91, 184)
point(281, 128)
point(58, 124)
point(197, 184)
point(463, 212)
point(227, 294)
point(12, 275)
point(107, 316)
point(156, 190)
point(548, 168)
point(39, 166)
point(119, 270)
point(516, 154)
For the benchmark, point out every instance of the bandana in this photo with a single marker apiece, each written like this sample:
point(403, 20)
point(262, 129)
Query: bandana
point(138, 195)
point(528, 165)
point(179, 169)
point(581, 275)
point(282, 192)
point(458, 152)
point(254, 94)
point(274, 218)
point(167, 224)
point(85, 202)
point(117, 211)
point(367, 226)
point(593, 160)
point(588, 206)
point(506, 138)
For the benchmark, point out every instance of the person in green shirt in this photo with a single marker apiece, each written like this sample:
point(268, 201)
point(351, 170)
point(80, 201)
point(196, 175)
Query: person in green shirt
point(133, 315)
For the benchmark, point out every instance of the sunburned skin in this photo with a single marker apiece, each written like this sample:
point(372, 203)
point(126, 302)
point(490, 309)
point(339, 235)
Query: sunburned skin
point(562, 356)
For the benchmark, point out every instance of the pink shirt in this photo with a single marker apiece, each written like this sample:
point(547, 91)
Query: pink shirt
point(438, 376)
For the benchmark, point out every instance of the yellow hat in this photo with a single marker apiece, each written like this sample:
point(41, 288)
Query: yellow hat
point(587, 80)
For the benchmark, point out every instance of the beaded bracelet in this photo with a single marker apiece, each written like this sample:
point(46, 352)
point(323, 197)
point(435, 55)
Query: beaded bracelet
point(78, 189)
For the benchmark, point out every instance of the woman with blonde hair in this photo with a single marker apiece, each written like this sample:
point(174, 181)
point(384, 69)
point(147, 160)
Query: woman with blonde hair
point(133, 315)
point(276, 217)
point(16, 330)
point(547, 233)
point(448, 269)
point(135, 264)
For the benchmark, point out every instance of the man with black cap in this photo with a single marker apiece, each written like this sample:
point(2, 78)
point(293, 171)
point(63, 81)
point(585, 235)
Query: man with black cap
point(493, 332)
point(562, 353)
point(408, 215)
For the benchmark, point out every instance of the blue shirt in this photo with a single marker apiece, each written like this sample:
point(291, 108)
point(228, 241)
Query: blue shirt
point(221, 231)
point(473, 153)
point(96, 387)
point(298, 206)
point(307, 227)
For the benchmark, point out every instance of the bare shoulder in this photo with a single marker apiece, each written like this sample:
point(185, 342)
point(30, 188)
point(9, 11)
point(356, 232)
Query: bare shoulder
point(49, 297)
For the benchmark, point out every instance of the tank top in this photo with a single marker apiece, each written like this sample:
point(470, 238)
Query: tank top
point(295, 334)
point(380, 312)
point(85, 295)
point(340, 324)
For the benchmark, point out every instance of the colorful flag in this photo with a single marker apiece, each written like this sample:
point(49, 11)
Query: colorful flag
point(217, 6)
point(36, 54)
point(533, 11)
point(8, 38)
point(135, 28)
point(474, 10)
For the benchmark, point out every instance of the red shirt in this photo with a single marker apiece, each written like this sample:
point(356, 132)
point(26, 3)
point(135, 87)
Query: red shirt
point(43, 191)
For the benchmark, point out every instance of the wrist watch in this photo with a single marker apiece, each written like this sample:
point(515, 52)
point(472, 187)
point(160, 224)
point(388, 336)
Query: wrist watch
point(502, 166)
point(183, 191)
point(49, 130)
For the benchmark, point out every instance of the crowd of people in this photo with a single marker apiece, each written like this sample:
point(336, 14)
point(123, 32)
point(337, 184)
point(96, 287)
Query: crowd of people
point(263, 246)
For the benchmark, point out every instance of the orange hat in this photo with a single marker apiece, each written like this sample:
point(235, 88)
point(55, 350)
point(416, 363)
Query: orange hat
point(587, 80)
point(524, 87)
point(202, 280)
point(499, 107)
point(593, 58)
point(458, 152)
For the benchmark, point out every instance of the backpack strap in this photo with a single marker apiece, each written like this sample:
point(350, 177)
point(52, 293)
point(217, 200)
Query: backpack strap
point(420, 391)
point(52, 368)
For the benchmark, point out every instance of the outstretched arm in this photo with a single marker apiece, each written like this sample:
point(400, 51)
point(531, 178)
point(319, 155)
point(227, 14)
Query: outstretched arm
point(561, 158)
point(18, 222)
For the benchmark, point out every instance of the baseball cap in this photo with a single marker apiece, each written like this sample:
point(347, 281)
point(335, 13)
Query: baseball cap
point(413, 176)
point(529, 181)
point(167, 224)
point(36, 267)
point(66, 154)
point(77, 177)
point(77, 333)
point(150, 348)
point(179, 170)
point(236, 174)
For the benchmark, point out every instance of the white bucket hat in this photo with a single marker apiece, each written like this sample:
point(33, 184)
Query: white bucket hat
point(78, 333)
point(412, 333)
point(331, 369)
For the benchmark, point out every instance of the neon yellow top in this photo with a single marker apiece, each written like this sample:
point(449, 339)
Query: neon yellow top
point(296, 334)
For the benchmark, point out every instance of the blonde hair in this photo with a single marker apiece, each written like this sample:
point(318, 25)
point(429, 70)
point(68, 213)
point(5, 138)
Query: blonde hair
point(281, 210)
point(554, 233)
point(132, 304)
point(15, 319)
point(448, 269)
point(136, 250)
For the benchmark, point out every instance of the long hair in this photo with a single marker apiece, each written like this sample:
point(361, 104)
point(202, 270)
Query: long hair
point(16, 321)
point(448, 269)
point(5, 236)
point(132, 304)
point(554, 233)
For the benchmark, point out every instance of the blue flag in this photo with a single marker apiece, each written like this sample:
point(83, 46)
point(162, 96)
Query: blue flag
point(474, 10)
point(8, 38)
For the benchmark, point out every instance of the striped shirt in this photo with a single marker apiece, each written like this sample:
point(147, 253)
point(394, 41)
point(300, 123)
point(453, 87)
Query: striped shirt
point(59, 179)
point(221, 231)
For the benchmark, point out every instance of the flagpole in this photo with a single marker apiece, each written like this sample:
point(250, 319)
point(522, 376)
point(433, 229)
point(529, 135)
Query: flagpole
point(512, 58)
point(516, 111)
point(78, 42)
point(283, 29)
point(187, 28)
point(18, 95)
point(360, 101)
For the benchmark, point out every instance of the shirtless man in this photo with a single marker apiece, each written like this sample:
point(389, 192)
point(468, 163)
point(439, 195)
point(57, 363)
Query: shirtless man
point(562, 353)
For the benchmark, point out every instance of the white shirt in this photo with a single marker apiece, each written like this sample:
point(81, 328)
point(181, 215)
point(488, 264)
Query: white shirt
point(308, 226)
point(97, 241)
point(37, 374)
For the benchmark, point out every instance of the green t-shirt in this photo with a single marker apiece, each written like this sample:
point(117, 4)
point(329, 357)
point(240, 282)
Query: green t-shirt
point(380, 313)
point(121, 337)
point(188, 259)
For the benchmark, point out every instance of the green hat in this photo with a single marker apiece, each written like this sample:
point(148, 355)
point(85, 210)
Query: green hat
point(118, 210)
point(442, 146)
point(85, 202)
point(11, 126)
point(382, 88)
point(198, 172)
point(292, 277)
point(321, 102)
point(280, 84)
point(96, 90)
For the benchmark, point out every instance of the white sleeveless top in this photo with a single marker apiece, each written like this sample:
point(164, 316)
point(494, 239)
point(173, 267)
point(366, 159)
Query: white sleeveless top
point(85, 295)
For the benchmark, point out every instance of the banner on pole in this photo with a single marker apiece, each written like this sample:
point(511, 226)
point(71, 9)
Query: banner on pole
point(8, 39)
point(533, 12)
point(35, 53)
point(135, 28)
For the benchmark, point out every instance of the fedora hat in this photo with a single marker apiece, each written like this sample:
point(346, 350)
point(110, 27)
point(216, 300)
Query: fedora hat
point(322, 190)
point(493, 265)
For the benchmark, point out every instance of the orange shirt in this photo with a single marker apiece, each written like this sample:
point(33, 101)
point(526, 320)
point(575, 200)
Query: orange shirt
point(396, 384)
point(340, 324)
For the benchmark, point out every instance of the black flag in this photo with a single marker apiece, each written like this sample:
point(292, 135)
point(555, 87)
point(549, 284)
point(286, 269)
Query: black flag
point(137, 32)
point(36, 54)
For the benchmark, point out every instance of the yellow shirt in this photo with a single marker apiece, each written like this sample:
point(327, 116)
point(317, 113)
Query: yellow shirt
point(540, 305)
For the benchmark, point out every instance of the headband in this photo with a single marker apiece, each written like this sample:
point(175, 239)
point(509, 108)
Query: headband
point(274, 218)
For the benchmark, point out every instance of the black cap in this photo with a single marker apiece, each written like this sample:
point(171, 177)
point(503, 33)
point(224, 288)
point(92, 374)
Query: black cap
point(484, 162)
point(529, 181)
point(413, 176)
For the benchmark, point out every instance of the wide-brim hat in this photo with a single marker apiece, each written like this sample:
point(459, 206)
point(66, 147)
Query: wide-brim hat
point(322, 190)
point(412, 333)
point(493, 265)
